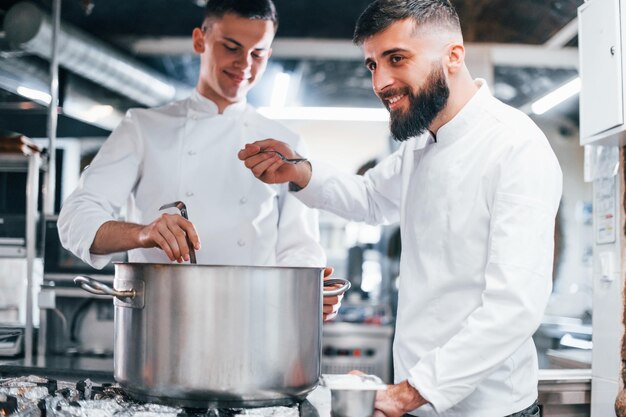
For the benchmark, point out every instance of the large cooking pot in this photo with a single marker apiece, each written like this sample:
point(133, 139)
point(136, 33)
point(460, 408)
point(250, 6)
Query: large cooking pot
point(216, 336)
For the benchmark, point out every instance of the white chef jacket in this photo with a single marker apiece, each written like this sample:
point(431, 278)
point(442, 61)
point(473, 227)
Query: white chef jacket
point(187, 151)
point(476, 210)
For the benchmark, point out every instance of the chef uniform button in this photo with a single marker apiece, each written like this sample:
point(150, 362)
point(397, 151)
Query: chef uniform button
point(189, 193)
point(191, 152)
point(241, 242)
point(243, 200)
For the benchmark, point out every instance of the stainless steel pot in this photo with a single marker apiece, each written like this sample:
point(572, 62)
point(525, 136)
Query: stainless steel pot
point(216, 336)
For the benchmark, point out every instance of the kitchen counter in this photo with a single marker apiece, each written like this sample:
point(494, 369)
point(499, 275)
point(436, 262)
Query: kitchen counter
point(62, 367)
point(565, 392)
point(569, 358)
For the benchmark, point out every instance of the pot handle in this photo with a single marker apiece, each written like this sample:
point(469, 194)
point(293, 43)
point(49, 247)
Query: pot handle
point(345, 286)
point(96, 287)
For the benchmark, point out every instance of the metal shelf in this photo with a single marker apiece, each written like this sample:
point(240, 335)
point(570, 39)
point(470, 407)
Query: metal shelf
point(13, 251)
point(11, 162)
point(31, 164)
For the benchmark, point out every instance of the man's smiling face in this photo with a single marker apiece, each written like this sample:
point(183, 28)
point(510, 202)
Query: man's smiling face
point(233, 53)
point(408, 77)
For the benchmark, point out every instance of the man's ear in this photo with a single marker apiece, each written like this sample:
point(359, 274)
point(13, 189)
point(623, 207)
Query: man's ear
point(455, 57)
point(198, 40)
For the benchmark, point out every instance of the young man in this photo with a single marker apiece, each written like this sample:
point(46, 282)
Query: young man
point(476, 188)
point(186, 151)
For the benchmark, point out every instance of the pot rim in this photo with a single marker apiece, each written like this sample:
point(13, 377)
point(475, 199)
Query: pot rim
point(276, 267)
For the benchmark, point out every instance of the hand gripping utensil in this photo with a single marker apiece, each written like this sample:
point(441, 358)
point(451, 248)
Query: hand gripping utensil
point(284, 158)
point(183, 212)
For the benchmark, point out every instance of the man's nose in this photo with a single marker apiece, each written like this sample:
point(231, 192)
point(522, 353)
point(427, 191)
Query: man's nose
point(381, 80)
point(244, 61)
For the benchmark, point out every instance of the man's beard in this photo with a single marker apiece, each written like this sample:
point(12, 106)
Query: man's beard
point(423, 106)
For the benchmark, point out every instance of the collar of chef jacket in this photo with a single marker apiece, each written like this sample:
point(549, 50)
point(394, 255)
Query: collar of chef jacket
point(465, 119)
point(204, 107)
point(459, 124)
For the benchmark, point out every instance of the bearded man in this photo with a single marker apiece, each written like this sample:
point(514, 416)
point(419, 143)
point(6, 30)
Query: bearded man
point(475, 187)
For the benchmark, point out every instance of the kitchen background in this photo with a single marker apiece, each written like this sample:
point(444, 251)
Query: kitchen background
point(118, 54)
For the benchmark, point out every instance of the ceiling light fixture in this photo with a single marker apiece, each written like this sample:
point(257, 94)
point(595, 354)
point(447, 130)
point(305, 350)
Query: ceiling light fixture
point(98, 112)
point(36, 95)
point(352, 114)
point(556, 97)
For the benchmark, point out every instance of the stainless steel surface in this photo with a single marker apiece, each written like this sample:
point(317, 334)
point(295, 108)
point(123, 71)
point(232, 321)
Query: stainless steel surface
point(65, 278)
point(365, 347)
point(98, 288)
point(353, 403)
point(12, 241)
point(75, 322)
point(71, 292)
point(11, 340)
point(17, 251)
point(183, 212)
point(32, 197)
point(285, 159)
point(30, 165)
point(218, 335)
point(29, 27)
point(344, 286)
point(53, 113)
point(565, 392)
point(353, 395)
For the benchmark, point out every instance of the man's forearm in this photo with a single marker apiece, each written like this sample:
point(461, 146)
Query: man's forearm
point(115, 236)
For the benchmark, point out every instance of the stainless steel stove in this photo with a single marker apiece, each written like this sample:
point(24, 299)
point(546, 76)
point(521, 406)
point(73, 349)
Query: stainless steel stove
point(34, 396)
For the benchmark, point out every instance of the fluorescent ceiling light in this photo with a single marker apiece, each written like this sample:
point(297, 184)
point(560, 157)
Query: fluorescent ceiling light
point(33, 94)
point(97, 112)
point(281, 88)
point(556, 97)
point(326, 113)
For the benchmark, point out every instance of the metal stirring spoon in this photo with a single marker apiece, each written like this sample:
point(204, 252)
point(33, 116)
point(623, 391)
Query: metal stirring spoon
point(183, 212)
point(284, 158)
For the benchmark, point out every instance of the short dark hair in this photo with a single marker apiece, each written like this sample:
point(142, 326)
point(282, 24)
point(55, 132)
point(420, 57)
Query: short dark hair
point(381, 14)
point(249, 9)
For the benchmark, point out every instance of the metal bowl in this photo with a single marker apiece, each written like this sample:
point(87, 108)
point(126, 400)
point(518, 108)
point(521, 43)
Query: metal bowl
point(353, 395)
point(353, 403)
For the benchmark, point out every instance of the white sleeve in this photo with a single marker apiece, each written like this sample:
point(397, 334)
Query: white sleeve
point(298, 234)
point(518, 280)
point(103, 190)
point(373, 198)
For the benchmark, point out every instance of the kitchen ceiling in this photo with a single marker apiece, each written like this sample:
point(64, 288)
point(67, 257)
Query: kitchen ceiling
point(495, 21)
point(334, 80)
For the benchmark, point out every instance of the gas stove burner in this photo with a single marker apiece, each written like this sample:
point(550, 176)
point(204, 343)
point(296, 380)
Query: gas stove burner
point(34, 396)
point(8, 405)
point(241, 412)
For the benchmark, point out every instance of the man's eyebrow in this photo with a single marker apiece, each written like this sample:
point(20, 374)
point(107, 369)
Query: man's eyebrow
point(385, 53)
point(232, 40)
point(226, 38)
point(393, 51)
